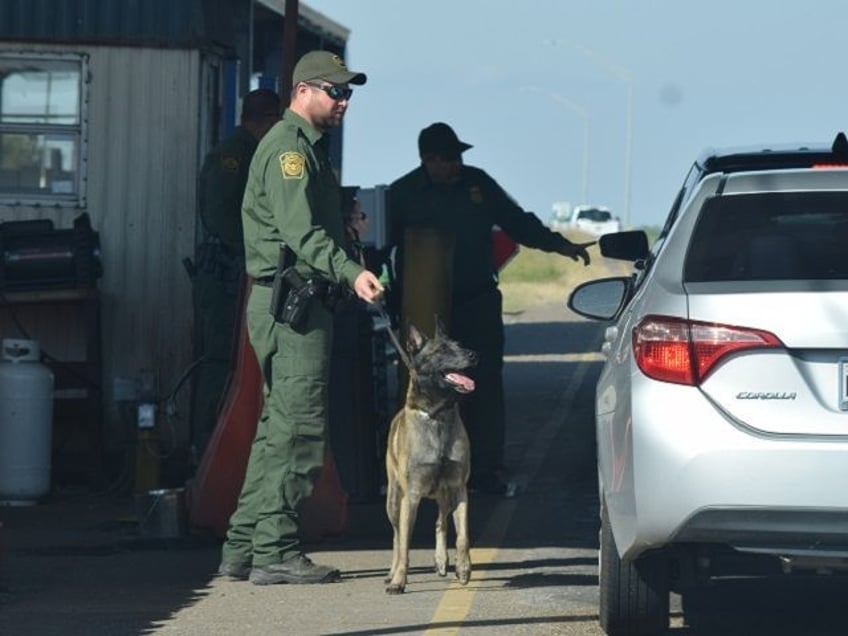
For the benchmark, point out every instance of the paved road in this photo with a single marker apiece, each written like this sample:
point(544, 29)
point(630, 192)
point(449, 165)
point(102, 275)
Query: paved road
point(534, 555)
point(76, 567)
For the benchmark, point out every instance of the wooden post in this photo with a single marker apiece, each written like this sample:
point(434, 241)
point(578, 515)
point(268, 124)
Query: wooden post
point(290, 20)
point(427, 286)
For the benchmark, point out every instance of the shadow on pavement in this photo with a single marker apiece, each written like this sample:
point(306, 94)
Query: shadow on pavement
point(776, 606)
point(75, 565)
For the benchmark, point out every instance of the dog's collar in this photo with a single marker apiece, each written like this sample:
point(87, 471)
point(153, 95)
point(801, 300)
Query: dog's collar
point(433, 413)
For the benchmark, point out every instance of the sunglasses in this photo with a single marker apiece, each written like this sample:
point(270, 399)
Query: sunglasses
point(336, 93)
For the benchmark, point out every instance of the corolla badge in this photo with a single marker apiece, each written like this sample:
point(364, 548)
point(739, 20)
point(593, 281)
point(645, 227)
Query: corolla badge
point(765, 395)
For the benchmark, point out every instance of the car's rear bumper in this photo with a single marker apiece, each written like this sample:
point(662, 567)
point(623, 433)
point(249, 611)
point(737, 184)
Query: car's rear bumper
point(785, 531)
point(688, 474)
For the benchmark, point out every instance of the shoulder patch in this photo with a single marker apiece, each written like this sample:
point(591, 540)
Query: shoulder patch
point(292, 164)
point(229, 164)
point(476, 195)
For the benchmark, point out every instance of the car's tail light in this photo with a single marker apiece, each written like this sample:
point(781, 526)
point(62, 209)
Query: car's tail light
point(685, 351)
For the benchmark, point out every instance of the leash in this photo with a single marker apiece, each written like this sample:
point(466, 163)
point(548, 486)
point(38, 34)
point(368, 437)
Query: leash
point(401, 351)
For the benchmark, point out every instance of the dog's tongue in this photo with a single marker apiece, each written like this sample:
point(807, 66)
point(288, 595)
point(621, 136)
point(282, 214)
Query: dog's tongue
point(464, 383)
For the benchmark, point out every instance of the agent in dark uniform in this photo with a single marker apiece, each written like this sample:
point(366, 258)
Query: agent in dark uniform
point(292, 198)
point(356, 222)
point(444, 194)
point(220, 256)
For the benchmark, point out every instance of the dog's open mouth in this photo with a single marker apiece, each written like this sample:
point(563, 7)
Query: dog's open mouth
point(460, 383)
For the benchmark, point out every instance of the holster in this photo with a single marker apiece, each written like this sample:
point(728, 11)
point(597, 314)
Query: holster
point(292, 294)
point(302, 291)
point(280, 287)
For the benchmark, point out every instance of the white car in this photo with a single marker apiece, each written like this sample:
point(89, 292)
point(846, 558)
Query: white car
point(594, 220)
point(721, 411)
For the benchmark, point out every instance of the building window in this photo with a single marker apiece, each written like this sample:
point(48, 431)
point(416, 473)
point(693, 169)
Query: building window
point(43, 129)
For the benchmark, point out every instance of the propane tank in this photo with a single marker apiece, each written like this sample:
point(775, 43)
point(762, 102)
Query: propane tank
point(26, 423)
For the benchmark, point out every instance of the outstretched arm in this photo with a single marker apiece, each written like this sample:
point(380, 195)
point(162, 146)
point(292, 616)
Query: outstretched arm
point(576, 250)
point(528, 229)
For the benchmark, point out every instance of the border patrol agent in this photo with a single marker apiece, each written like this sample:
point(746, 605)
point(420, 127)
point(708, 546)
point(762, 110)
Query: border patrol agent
point(292, 198)
point(219, 261)
point(466, 202)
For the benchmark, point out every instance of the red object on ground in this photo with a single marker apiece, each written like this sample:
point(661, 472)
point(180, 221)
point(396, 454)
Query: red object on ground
point(213, 492)
point(505, 248)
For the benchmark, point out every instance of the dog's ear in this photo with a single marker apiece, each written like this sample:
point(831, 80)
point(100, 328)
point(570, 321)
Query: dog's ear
point(414, 340)
point(440, 332)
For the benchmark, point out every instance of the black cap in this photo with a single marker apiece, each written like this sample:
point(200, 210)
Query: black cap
point(440, 139)
point(259, 104)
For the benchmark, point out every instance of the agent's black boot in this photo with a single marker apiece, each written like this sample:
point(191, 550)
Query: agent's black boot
point(298, 569)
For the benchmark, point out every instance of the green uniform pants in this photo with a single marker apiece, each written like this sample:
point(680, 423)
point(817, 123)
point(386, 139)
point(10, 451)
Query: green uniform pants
point(287, 453)
point(478, 325)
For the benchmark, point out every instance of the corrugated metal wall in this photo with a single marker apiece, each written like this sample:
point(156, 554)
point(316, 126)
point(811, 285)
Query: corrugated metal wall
point(168, 23)
point(144, 112)
point(163, 22)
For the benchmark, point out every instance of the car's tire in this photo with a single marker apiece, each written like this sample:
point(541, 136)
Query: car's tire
point(634, 594)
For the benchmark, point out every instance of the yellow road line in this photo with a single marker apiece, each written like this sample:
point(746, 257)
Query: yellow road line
point(457, 599)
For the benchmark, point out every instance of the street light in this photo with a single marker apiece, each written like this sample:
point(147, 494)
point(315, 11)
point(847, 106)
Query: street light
point(625, 75)
point(584, 115)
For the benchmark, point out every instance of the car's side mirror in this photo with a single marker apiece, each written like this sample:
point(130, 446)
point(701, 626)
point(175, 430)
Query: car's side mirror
point(626, 246)
point(600, 299)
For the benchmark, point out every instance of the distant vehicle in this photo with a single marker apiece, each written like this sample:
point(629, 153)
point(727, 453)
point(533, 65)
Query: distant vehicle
point(721, 411)
point(594, 220)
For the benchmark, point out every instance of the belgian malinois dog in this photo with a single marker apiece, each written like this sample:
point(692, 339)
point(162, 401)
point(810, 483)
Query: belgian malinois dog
point(428, 454)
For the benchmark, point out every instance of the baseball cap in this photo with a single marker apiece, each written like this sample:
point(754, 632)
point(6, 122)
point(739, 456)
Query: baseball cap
point(259, 104)
point(325, 65)
point(440, 139)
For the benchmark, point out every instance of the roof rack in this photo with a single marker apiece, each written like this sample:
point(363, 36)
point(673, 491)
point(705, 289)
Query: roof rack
point(774, 158)
point(840, 145)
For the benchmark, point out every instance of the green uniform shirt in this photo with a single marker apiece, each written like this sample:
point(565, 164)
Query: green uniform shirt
point(293, 196)
point(222, 182)
point(470, 209)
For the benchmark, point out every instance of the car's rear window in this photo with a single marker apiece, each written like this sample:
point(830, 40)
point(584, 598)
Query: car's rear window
point(594, 215)
point(770, 236)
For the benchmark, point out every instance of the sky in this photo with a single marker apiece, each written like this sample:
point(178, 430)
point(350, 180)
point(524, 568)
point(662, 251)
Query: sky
point(605, 102)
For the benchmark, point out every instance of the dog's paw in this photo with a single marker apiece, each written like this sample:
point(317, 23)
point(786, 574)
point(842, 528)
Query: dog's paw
point(463, 573)
point(395, 589)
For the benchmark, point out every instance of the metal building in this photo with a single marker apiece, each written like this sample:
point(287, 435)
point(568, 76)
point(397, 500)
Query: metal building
point(107, 108)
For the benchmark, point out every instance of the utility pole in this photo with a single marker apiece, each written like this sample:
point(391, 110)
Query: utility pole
point(290, 20)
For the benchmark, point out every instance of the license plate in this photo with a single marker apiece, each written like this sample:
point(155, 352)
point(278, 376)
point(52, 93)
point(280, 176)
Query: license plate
point(843, 384)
